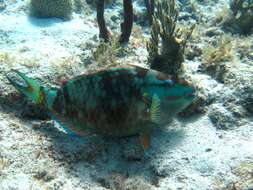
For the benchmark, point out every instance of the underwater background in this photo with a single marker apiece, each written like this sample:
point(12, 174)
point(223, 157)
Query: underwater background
point(208, 146)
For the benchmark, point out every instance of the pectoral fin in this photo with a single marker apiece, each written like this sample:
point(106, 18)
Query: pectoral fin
point(145, 140)
point(155, 109)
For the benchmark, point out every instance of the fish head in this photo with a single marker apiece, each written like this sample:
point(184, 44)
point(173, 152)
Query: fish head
point(172, 94)
point(177, 97)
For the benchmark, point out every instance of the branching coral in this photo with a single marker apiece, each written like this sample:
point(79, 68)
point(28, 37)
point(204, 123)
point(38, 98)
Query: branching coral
point(240, 16)
point(47, 8)
point(167, 43)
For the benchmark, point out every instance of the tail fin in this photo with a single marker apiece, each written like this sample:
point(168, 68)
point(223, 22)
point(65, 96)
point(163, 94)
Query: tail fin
point(27, 86)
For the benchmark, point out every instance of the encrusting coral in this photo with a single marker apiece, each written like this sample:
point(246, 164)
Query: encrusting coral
point(167, 43)
point(240, 17)
point(47, 8)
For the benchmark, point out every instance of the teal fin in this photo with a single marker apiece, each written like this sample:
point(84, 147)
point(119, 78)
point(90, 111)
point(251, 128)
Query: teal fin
point(155, 109)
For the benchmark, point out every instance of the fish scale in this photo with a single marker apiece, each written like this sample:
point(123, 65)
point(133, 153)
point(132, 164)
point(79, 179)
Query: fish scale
point(115, 102)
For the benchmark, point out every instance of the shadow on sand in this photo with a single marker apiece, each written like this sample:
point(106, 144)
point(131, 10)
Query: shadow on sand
point(44, 22)
point(106, 155)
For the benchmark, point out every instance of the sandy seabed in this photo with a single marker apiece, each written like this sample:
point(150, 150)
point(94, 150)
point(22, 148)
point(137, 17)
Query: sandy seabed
point(191, 153)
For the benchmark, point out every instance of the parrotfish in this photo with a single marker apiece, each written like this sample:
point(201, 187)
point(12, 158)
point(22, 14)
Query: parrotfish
point(115, 102)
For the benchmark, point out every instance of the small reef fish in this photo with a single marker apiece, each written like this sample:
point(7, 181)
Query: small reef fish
point(116, 102)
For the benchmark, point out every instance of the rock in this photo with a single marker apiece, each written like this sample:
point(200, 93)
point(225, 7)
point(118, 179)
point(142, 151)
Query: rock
point(122, 182)
point(136, 184)
point(43, 175)
point(192, 51)
point(140, 16)
point(165, 168)
point(112, 181)
point(213, 31)
point(221, 117)
point(248, 104)
point(198, 106)
point(244, 171)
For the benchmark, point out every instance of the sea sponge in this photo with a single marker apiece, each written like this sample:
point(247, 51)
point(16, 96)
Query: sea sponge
point(169, 56)
point(240, 18)
point(52, 8)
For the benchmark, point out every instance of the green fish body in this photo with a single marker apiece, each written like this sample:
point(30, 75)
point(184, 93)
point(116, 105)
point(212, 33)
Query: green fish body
point(114, 102)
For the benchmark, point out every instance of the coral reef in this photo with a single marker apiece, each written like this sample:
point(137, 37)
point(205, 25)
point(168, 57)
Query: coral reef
point(105, 54)
point(240, 17)
point(216, 57)
point(81, 6)
point(46, 8)
point(169, 57)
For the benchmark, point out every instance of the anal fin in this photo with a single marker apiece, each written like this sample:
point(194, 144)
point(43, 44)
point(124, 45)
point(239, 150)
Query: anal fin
point(68, 126)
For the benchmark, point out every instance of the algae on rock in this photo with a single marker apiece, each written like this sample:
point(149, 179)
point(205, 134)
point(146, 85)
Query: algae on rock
point(240, 17)
point(216, 57)
point(106, 53)
point(47, 8)
point(167, 43)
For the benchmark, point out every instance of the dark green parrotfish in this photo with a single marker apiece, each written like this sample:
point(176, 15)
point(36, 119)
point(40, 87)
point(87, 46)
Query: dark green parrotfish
point(116, 102)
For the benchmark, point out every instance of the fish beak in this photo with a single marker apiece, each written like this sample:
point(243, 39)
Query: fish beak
point(27, 86)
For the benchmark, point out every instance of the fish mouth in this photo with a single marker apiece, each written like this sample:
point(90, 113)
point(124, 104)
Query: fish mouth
point(190, 96)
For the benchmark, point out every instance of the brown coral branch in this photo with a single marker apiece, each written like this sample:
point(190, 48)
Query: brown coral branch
point(103, 32)
point(126, 26)
point(150, 10)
